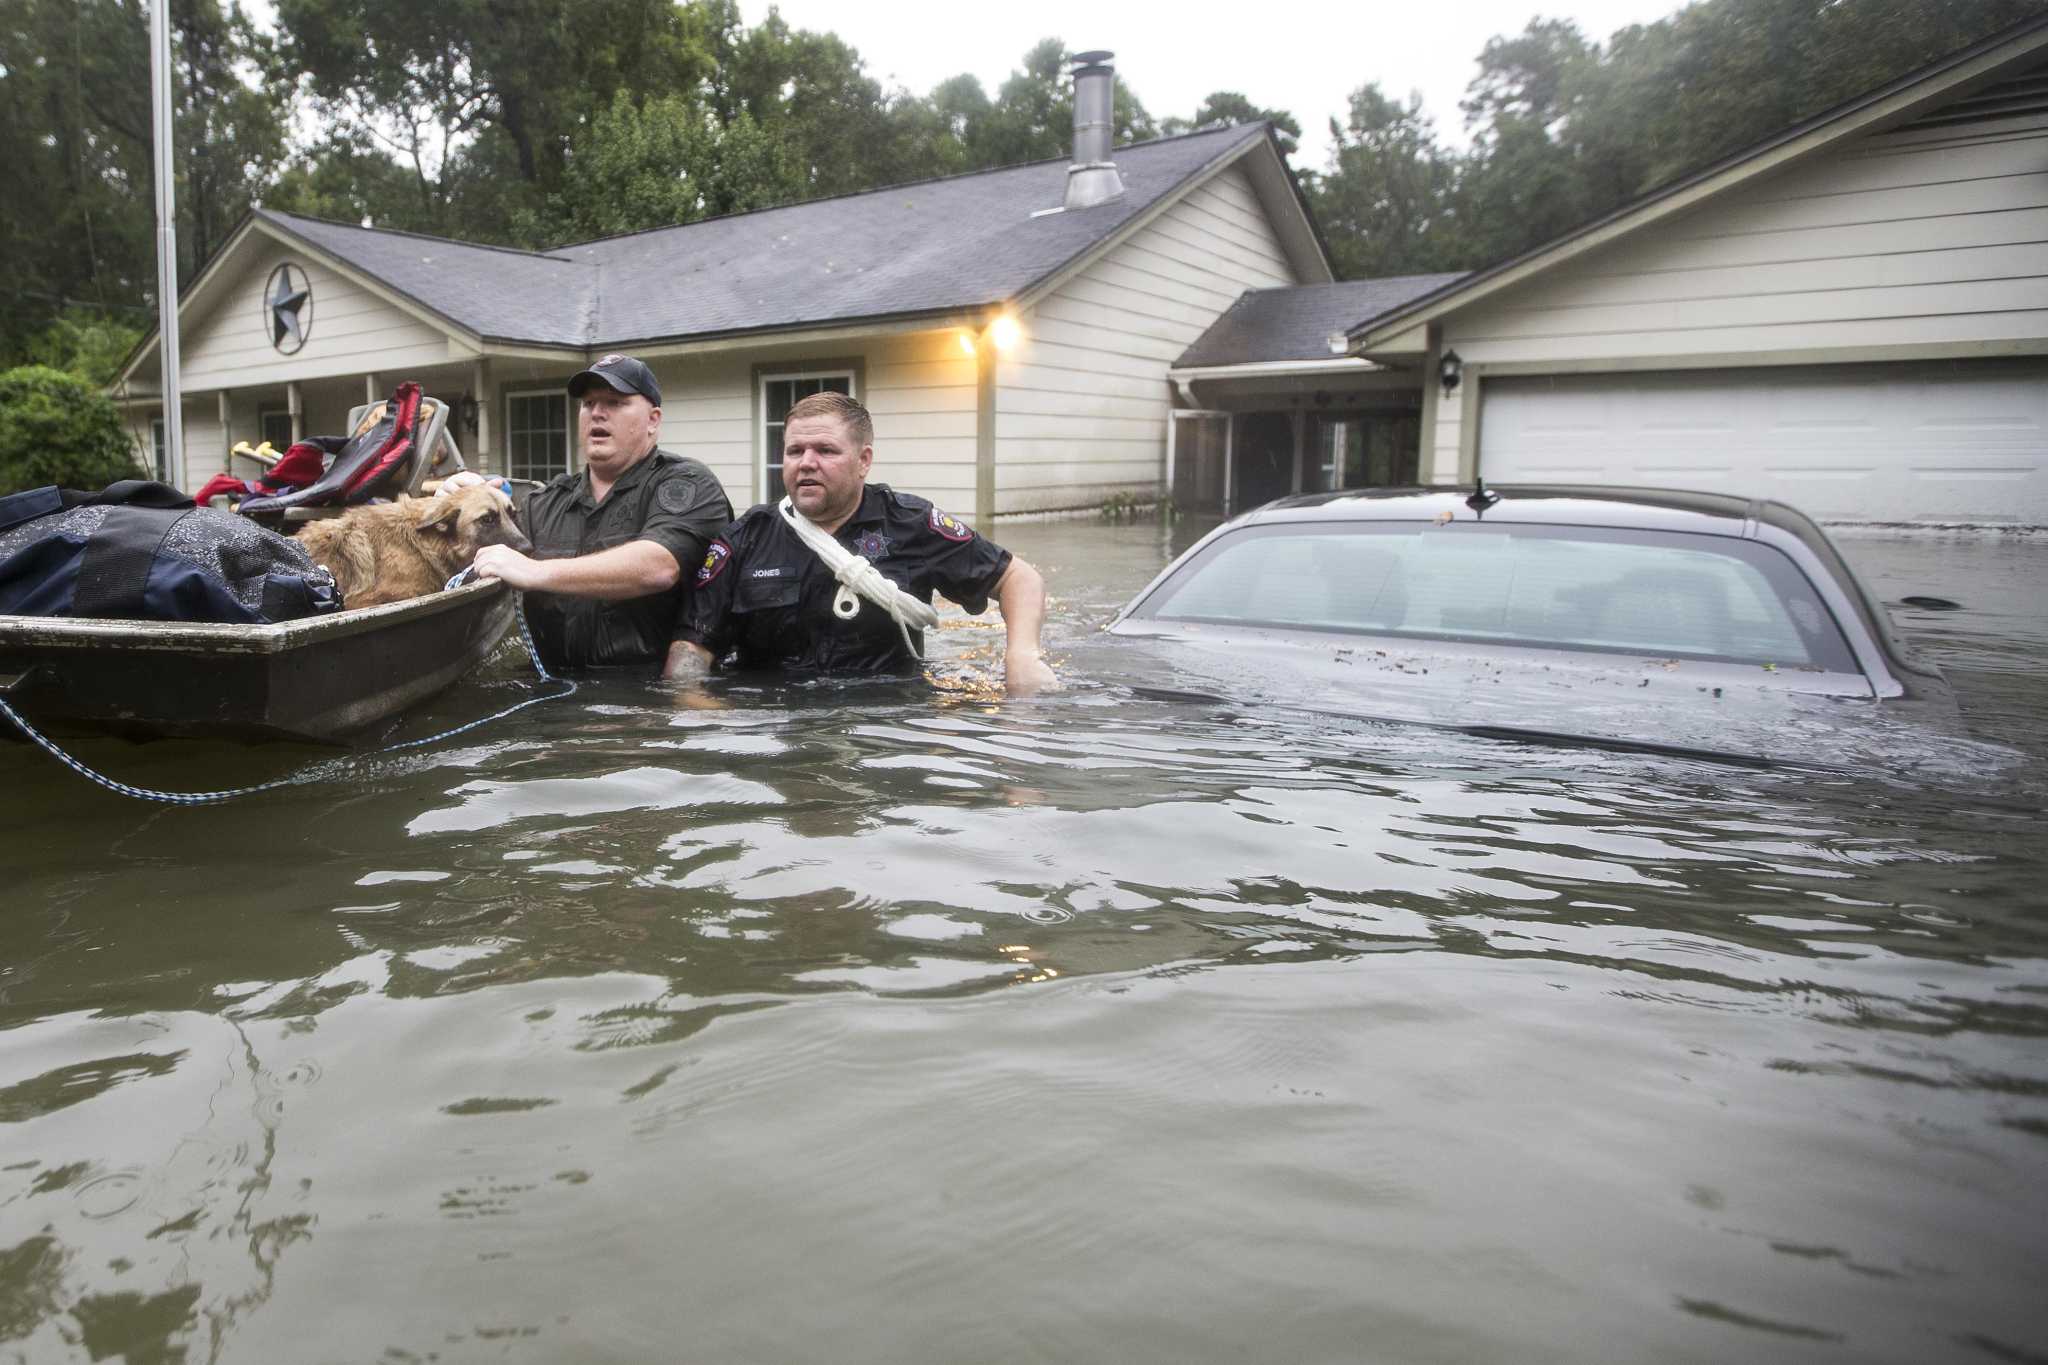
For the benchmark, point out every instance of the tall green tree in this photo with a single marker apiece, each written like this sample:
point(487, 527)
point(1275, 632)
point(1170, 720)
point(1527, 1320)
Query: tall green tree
point(661, 162)
point(1564, 129)
point(812, 93)
point(1387, 204)
point(478, 100)
point(1228, 109)
point(1032, 115)
point(76, 138)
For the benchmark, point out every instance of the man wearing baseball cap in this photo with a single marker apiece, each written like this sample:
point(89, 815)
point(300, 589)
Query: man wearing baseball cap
point(610, 540)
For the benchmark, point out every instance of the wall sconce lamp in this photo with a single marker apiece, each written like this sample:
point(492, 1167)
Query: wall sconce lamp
point(1450, 370)
point(466, 410)
point(1003, 334)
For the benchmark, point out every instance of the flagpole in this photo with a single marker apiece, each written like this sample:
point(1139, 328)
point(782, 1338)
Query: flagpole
point(166, 239)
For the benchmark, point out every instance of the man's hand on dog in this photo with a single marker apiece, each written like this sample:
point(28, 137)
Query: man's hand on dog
point(504, 562)
point(460, 479)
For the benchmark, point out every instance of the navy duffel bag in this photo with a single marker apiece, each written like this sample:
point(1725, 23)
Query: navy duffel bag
point(142, 551)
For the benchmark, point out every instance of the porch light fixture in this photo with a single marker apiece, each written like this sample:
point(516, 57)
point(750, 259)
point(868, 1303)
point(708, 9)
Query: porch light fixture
point(966, 342)
point(466, 411)
point(1005, 332)
point(1450, 370)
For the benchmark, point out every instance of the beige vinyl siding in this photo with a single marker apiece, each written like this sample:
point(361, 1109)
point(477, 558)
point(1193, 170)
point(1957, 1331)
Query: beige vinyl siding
point(1903, 243)
point(353, 331)
point(1928, 237)
point(919, 386)
point(1082, 402)
point(206, 445)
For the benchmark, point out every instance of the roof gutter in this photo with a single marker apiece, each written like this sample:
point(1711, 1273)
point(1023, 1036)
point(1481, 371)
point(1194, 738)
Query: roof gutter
point(1262, 369)
point(974, 316)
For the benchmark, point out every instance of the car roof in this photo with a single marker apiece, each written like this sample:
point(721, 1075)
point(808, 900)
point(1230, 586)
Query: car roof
point(1661, 509)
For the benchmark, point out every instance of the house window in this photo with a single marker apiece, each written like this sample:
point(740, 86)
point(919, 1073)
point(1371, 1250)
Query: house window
point(779, 393)
point(537, 434)
point(1366, 450)
point(159, 447)
point(276, 427)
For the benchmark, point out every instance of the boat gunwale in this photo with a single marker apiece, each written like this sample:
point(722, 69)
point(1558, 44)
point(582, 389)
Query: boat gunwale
point(74, 632)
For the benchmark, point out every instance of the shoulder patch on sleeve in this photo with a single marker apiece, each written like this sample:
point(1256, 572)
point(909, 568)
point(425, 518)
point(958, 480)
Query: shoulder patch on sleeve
point(715, 560)
point(673, 494)
point(951, 527)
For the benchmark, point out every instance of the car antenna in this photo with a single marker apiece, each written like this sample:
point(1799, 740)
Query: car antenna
point(1482, 497)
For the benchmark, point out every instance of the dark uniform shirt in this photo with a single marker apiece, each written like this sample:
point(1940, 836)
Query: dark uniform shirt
point(669, 499)
point(763, 594)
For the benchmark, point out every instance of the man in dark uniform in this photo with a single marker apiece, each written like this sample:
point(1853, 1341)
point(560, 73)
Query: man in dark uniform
point(766, 598)
point(611, 541)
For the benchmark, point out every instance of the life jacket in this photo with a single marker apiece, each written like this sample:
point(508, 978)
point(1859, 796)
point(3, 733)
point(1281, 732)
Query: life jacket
point(299, 467)
point(362, 464)
point(142, 551)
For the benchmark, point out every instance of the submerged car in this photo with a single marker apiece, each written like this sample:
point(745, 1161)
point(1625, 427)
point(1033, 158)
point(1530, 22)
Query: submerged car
point(1659, 618)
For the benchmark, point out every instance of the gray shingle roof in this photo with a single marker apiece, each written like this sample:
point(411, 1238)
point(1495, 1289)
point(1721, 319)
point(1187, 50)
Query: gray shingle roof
point(541, 297)
point(1296, 323)
point(962, 242)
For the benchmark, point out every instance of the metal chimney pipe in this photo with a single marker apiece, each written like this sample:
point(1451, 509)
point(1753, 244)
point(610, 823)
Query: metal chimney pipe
point(1092, 178)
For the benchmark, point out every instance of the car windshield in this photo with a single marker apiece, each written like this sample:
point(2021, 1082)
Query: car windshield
point(1558, 587)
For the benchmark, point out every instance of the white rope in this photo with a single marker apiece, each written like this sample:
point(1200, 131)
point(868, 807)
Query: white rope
point(858, 579)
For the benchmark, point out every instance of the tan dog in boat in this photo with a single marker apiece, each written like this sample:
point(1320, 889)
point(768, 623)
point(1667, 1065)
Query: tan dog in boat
point(388, 552)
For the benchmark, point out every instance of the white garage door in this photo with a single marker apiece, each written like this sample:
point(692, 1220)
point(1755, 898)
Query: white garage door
point(1963, 442)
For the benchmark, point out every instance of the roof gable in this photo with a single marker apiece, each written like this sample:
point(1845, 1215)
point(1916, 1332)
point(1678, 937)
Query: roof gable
point(1952, 80)
point(261, 230)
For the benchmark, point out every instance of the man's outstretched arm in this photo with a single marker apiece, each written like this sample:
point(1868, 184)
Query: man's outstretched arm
point(1020, 596)
point(634, 569)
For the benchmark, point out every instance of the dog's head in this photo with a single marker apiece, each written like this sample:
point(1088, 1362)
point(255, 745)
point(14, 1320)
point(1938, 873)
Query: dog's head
point(466, 520)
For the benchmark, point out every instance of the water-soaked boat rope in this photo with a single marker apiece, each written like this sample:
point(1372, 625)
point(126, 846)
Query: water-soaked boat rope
point(858, 578)
point(317, 771)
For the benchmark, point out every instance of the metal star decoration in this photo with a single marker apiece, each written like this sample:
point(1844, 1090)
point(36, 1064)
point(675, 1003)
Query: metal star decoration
point(288, 297)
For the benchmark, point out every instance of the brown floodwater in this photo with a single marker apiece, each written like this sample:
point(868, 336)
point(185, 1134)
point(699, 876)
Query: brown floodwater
point(912, 1024)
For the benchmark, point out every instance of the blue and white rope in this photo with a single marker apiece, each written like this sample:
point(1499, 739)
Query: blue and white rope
point(314, 773)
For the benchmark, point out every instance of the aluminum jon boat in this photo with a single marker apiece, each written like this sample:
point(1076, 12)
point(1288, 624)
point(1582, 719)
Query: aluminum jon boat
point(319, 678)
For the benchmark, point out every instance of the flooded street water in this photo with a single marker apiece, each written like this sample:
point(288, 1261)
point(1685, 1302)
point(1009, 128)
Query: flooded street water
point(885, 1024)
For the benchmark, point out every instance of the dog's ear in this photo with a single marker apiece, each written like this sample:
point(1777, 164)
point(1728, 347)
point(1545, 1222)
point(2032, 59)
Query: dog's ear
point(437, 516)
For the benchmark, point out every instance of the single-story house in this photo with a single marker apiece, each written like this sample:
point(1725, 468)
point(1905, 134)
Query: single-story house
point(1011, 329)
point(1851, 316)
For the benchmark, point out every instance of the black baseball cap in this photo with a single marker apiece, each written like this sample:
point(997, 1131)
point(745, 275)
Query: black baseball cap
point(621, 372)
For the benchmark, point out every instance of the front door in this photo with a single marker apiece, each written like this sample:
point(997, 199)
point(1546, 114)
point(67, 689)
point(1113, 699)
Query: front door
point(1264, 459)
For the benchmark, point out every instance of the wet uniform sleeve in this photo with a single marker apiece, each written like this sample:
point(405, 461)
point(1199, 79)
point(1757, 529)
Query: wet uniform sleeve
point(688, 510)
point(964, 565)
point(707, 618)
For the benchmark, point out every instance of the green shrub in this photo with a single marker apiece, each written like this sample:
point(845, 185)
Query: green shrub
point(57, 429)
point(1123, 505)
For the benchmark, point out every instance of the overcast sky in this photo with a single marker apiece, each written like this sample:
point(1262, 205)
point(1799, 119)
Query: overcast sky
point(1306, 56)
